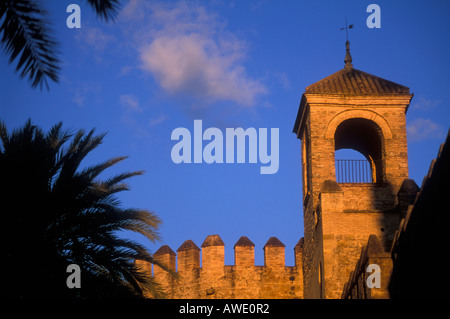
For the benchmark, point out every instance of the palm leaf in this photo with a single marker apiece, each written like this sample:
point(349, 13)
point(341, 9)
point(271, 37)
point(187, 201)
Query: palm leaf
point(105, 9)
point(61, 214)
point(26, 37)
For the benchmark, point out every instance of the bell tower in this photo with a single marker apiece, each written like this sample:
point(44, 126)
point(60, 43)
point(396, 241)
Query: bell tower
point(347, 200)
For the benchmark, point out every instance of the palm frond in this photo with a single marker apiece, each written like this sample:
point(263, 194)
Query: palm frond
point(105, 9)
point(119, 178)
point(26, 37)
point(4, 136)
point(93, 171)
point(56, 138)
point(63, 214)
point(79, 148)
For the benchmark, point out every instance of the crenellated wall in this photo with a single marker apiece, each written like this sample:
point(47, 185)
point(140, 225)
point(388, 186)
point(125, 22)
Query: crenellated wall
point(212, 279)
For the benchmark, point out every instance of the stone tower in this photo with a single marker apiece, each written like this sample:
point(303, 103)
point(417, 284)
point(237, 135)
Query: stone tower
point(344, 202)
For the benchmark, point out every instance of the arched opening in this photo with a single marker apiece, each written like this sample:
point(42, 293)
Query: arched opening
point(359, 152)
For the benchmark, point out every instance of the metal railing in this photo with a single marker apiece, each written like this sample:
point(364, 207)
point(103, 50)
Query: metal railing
point(353, 171)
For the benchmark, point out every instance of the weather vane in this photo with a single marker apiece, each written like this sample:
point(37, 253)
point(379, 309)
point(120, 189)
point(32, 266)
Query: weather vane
point(348, 57)
point(346, 28)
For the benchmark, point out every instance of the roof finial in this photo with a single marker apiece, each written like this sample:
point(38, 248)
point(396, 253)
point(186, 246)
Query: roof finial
point(348, 56)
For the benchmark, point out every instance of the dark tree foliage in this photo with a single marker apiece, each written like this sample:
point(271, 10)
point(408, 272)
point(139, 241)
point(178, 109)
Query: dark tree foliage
point(55, 213)
point(26, 36)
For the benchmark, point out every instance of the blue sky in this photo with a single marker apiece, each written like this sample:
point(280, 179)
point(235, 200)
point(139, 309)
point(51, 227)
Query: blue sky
point(163, 64)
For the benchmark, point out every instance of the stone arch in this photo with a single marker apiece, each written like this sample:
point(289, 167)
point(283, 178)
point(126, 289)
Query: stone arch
point(365, 137)
point(365, 132)
point(365, 114)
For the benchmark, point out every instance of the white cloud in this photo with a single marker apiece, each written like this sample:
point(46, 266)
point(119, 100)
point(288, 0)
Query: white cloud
point(190, 53)
point(130, 103)
point(421, 129)
point(86, 91)
point(157, 120)
point(126, 70)
point(97, 45)
point(283, 79)
point(78, 98)
point(94, 38)
point(424, 104)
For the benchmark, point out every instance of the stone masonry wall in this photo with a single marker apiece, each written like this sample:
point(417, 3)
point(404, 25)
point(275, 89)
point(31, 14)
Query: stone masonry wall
point(215, 280)
point(372, 254)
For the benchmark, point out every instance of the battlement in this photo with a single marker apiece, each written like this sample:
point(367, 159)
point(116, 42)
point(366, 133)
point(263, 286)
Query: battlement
point(211, 278)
